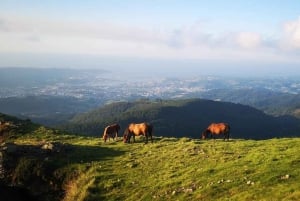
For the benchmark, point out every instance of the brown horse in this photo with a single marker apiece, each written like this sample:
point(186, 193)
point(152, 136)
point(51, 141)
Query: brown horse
point(217, 129)
point(111, 131)
point(133, 129)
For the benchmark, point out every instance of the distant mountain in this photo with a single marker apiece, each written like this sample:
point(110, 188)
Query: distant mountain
point(271, 102)
point(179, 118)
point(34, 77)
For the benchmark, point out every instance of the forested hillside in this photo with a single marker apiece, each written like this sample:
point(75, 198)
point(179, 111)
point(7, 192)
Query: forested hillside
point(271, 102)
point(188, 118)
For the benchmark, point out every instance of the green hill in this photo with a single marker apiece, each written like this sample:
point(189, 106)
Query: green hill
point(186, 118)
point(271, 102)
point(53, 165)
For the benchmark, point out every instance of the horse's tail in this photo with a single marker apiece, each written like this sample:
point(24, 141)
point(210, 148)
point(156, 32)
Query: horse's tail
point(228, 128)
point(228, 131)
point(150, 129)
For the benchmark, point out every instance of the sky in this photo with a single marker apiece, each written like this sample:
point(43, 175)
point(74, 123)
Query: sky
point(215, 36)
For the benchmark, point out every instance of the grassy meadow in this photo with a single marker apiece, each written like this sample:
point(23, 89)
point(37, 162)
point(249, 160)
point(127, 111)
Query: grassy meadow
point(167, 169)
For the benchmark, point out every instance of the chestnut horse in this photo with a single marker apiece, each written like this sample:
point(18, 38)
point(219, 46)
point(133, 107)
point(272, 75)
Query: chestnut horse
point(111, 131)
point(217, 129)
point(133, 129)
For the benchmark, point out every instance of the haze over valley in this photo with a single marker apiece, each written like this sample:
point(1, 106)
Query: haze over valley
point(54, 96)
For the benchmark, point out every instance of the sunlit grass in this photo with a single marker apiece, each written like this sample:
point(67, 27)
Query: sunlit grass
point(174, 169)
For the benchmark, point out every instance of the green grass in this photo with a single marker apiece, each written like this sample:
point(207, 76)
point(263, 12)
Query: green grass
point(174, 169)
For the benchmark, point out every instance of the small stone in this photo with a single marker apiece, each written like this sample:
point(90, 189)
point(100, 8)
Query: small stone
point(188, 190)
point(48, 146)
point(285, 176)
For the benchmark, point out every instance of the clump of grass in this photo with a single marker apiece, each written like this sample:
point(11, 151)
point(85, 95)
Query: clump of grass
point(76, 188)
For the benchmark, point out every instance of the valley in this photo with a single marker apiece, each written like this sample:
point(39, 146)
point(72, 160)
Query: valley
point(54, 96)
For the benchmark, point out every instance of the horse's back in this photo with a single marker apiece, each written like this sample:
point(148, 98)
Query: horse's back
point(115, 126)
point(218, 128)
point(140, 128)
point(112, 128)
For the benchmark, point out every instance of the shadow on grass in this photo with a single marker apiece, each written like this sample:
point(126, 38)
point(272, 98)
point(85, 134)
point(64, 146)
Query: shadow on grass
point(83, 153)
point(43, 169)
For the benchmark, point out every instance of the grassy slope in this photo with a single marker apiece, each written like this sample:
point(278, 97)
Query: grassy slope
point(177, 169)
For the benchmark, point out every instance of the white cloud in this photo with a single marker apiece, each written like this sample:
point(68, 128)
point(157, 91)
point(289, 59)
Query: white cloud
point(292, 34)
point(248, 39)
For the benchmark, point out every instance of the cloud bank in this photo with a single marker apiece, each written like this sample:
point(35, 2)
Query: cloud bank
point(20, 34)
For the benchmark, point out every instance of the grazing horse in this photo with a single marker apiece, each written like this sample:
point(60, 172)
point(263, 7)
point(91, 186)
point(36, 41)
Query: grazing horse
point(217, 129)
point(133, 129)
point(111, 131)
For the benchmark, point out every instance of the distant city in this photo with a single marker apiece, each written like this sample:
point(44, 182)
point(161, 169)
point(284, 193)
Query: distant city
point(107, 86)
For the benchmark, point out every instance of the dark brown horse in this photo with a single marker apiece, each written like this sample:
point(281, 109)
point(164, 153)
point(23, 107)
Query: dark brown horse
point(133, 129)
point(111, 131)
point(217, 129)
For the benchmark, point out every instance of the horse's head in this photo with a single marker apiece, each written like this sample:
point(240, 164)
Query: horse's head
point(126, 136)
point(105, 137)
point(204, 134)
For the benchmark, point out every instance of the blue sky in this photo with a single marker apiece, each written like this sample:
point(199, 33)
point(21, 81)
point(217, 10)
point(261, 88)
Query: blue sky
point(230, 35)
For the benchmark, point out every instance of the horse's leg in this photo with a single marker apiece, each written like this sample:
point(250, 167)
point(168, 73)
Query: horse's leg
point(146, 138)
point(116, 135)
point(133, 137)
point(128, 137)
point(227, 135)
point(149, 133)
